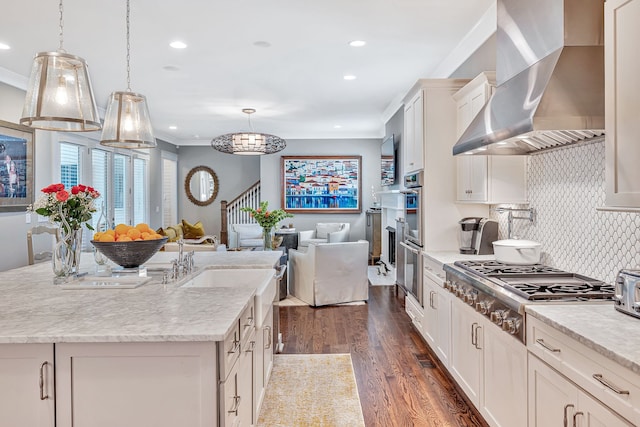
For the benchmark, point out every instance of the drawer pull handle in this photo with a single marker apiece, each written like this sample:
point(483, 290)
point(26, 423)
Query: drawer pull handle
point(566, 420)
point(547, 346)
point(576, 416)
point(236, 405)
point(269, 338)
point(604, 382)
point(43, 396)
point(236, 347)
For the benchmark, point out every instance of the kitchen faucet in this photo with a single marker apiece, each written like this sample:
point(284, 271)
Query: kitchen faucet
point(511, 217)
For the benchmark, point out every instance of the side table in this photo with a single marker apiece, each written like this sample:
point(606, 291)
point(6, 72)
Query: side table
point(289, 238)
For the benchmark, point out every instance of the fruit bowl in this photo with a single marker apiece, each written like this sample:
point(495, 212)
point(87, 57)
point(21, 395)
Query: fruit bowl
point(130, 254)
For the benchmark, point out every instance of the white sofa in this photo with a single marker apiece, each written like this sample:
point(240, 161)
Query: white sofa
point(330, 273)
point(245, 236)
point(325, 232)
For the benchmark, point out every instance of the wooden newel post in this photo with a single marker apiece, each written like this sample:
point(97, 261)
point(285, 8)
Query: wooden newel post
point(224, 234)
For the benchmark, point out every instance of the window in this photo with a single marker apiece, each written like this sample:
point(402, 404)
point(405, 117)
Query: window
point(69, 164)
point(140, 201)
point(120, 189)
point(100, 173)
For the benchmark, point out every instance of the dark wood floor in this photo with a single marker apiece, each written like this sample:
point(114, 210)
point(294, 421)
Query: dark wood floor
point(398, 382)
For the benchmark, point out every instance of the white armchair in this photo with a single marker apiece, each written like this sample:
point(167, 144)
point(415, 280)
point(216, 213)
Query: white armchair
point(245, 236)
point(330, 273)
point(325, 232)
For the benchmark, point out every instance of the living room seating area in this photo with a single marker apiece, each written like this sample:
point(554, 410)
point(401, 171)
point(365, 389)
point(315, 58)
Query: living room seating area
point(325, 232)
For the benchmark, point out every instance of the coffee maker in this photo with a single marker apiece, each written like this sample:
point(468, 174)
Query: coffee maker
point(477, 235)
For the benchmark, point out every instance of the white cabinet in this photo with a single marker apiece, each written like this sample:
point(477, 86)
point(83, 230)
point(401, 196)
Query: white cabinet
point(436, 323)
point(413, 144)
point(263, 361)
point(622, 103)
point(554, 400)
point(485, 179)
point(489, 365)
point(117, 384)
point(27, 385)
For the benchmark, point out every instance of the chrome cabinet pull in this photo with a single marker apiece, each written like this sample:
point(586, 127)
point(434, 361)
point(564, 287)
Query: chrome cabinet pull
point(43, 396)
point(236, 346)
point(474, 336)
point(566, 418)
point(547, 346)
point(252, 346)
point(575, 416)
point(431, 294)
point(476, 344)
point(268, 328)
point(606, 383)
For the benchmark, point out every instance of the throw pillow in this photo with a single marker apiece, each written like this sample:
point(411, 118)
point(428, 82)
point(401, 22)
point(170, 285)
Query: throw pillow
point(192, 231)
point(323, 229)
point(169, 232)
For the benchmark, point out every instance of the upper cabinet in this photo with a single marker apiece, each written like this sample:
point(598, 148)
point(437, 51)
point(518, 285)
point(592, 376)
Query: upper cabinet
point(622, 103)
point(486, 179)
point(414, 133)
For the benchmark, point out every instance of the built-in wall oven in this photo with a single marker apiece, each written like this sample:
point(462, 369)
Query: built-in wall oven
point(412, 240)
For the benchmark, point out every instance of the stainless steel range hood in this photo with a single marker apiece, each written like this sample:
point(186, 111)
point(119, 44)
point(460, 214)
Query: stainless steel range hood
point(550, 76)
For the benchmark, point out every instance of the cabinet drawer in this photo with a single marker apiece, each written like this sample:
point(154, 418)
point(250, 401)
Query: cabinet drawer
point(612, 384)
point(415, 312)
point(433, 270)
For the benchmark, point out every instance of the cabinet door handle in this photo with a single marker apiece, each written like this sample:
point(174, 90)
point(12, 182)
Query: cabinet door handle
point(270, 339)
point(575, 416)
point(236, 405)
point(476, 344)
point(236, 346)
point(252, 345)
point(431, 294)
point(547, 346)
point(606, 383)
point(43, 396)
point(474, 336)
point(566, 418)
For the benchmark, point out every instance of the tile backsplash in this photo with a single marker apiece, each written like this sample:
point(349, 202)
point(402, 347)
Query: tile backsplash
point(566, 185)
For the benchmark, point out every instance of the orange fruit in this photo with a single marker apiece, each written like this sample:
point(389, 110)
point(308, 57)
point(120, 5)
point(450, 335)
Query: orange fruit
point(122, 228)
point(110, 232)
point(143, 227)
point(107, 238)
point(96, 235)
point(124, 238)
point(134, 233)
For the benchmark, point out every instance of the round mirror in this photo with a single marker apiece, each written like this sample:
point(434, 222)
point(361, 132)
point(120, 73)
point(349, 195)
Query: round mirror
point(201, 185)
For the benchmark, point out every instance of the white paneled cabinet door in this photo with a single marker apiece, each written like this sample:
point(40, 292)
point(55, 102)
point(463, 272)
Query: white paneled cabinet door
point(466, 349)
point(27, 385)
point(472, 178)
point(504, 397)
point(136, 384)
point(592, 413)
point(622, 103)
point(430, 319)
point(443, 334)
point(414, 133)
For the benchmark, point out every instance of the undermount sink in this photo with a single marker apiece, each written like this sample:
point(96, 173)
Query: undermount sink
point(262, 280)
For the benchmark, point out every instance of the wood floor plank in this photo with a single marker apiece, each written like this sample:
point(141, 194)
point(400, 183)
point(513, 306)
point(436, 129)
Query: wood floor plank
point(399, 380)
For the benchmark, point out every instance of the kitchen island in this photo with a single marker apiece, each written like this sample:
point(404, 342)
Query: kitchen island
point(159, 354)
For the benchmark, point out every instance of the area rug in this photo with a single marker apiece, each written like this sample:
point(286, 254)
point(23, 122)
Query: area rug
point(379, 279)
point(311, 390)
point(291, 301)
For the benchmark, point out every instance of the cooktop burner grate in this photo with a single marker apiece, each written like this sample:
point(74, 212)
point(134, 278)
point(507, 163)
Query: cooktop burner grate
point(492, 268)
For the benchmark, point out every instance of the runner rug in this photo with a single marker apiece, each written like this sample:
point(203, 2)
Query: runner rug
point(311, 390)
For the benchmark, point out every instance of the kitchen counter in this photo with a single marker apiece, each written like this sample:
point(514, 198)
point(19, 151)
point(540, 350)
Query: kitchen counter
point(34, 310)
point(597, 326)
point(445, 257)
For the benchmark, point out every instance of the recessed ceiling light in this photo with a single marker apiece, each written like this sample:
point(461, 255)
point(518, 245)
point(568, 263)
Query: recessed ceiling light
point(4, 46)
point(349, 77)
point(337, 126)
point(262, 43)
point(357, 43)
point(178, 45)
point(173, 127)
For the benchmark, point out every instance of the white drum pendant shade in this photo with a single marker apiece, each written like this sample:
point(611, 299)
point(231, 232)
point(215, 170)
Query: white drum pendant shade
point(127, 123)
point(59, 96)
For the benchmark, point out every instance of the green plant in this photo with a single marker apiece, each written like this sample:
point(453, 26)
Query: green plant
point(266, 218)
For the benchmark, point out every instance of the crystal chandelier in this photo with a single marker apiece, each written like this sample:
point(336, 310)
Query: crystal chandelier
point(59, 96)
point(248, 143)
point(127, 123)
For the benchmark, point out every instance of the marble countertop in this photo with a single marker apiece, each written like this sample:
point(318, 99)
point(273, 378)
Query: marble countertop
point(597, 326)
point(34, 310)
point(445, 257)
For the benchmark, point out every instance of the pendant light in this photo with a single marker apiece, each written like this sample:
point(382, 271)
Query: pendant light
point(59, 96)
point(248, 143)
point(127, 123)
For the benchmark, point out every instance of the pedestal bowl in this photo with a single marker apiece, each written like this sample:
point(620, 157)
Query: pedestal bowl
point(130, 254)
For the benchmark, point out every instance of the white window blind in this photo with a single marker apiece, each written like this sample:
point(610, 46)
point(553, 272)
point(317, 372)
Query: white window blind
point(69, 164)
point(139, 191)
point(120, 190)
point(169, 192)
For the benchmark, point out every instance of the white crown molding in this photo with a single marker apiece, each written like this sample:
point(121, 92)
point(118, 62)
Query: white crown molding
point(13, 79)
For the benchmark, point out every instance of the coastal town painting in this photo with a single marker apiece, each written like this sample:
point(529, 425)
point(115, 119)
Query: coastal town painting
point(321, 184)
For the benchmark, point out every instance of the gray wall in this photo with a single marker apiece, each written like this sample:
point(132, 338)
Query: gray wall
point(369, 149)
point(235, 174)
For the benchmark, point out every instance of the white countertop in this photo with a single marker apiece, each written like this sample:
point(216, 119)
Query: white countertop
point(34, 310)
point(600, 327)
point(445, 257)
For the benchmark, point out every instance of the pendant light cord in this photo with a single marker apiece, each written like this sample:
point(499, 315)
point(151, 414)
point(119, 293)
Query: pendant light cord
point(61, 26)
point(128, 49)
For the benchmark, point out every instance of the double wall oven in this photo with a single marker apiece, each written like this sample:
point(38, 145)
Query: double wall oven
point(412, 236)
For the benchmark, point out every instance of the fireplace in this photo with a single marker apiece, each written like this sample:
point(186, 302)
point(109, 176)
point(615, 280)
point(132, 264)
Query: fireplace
point(391, 244)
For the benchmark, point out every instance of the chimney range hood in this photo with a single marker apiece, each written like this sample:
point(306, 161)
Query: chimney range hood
point(550, 79)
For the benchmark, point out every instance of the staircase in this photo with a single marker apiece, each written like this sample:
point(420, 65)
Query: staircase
point(231, 213)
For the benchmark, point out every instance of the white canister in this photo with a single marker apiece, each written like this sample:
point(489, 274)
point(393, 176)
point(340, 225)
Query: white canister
point(515, 251)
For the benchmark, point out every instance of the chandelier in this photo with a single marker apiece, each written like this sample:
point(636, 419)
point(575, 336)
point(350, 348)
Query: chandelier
point(127, 123)
point(248, 143)
point(59, 96)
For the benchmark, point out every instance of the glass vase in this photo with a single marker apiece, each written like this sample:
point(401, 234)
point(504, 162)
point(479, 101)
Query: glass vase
point(267, 238)
point(66, 255)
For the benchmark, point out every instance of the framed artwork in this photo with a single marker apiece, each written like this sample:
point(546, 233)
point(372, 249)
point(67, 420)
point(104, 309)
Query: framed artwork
point(321, 184)
point(16, 166)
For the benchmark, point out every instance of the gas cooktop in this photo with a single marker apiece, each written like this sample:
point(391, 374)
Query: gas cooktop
point(540, 282)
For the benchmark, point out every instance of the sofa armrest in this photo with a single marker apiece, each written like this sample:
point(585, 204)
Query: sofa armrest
point(341, 235)
point(306, 235)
